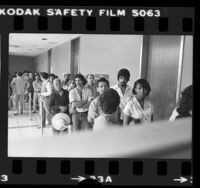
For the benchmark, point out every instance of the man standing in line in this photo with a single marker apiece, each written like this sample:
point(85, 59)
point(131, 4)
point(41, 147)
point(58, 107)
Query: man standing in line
point(37, 84)
point(95, 109)
point(59, 101)
point(80, 98)
point(18, 84)
point(25, 76)
point(46, 91)
point(91, 84)
point(29, 87)
point(124, 90)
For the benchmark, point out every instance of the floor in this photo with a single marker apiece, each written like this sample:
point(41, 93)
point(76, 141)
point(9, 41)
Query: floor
point(23, 126)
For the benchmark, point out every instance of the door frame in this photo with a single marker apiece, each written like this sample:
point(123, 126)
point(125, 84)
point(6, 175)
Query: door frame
point(180, 68)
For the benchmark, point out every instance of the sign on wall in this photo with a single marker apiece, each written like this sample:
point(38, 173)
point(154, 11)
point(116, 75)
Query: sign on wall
point(98, 76)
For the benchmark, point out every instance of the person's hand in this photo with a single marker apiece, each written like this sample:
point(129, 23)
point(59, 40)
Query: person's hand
point(95, 115)
point(90, 99)
point(63, 108)
point(72, 110)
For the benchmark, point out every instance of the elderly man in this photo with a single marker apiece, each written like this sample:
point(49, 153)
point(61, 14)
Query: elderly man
point(59, 100)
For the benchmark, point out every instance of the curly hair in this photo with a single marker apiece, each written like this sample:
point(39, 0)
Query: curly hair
point(125, 73)
point(80, 76)
point(53, 75)
point(109, 101)
point(44, 75)
point(144, 83)
point(103, 80)
point(19, 73)
point(185, 102)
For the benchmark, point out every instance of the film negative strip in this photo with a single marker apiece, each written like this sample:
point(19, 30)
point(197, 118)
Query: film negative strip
point(154, 43)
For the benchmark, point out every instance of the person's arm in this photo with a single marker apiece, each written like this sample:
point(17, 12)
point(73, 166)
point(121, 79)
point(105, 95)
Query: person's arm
point(92, 112)
point(126, 120)
point(73, 100)
point(86, 105)
point(63, 108)
point(127, 114)
point(121, 104)
point(90, 99)
point(25, 87)
point(13, 83)
point(79, 104)
point(55, 108)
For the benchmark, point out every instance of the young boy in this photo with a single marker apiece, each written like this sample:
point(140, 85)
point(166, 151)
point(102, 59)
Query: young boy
point(94, 108)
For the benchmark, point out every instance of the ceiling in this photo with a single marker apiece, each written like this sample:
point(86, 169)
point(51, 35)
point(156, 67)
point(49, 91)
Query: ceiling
point(35, 44)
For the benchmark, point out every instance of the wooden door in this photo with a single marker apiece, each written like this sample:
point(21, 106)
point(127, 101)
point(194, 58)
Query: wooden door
point(163, 73)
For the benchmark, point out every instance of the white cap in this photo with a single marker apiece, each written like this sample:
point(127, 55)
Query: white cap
point(60, 121)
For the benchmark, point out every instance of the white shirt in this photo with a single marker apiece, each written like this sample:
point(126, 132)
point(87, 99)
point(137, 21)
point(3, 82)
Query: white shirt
point(74, 96)
point(48, 88)
point(134, 110)
point(174, 115)
point(18, 85)
point(37, 85)
point(94, 109)
point(124, 98)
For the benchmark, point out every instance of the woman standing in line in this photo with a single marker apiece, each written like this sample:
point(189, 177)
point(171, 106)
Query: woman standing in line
point(139, 109)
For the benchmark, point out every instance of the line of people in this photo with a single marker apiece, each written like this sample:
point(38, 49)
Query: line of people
point(86, 103)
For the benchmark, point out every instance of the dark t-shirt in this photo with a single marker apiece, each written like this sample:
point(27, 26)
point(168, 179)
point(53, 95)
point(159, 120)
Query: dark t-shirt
point(29, 83)
point(183, 116)
point(57, 100)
